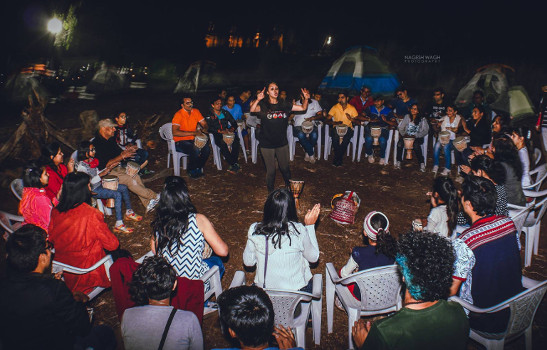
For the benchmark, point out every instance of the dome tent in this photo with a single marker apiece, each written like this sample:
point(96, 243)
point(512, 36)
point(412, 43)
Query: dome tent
point(358, 66)
point(201, 75)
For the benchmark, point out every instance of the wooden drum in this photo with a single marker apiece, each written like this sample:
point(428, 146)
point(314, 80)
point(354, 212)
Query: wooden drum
point(110, 182)
point(200, 140)
point(444, 137)
point(409, 145)
point(132, 169)
point(341, 131)
point(460, 143)
point(375, 132)
point(307, 127)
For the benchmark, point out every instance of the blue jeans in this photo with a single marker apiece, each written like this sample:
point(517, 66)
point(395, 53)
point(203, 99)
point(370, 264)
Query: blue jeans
point(382, 140)
point(196, 157)
point(141, 156)
point(215, 261)
point(308, 141)
point(121, 193)
point(447, 154)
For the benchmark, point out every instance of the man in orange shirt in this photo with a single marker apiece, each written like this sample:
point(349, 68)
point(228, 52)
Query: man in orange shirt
point(185, 127)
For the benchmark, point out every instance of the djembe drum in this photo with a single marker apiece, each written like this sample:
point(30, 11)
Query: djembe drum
point(444, 137)
point(341, 131)
point(132, 168)
point(200, 140)
point(228, 139)
point(296, 188)
point(110, 182)
point(460, 143)
point(241, 124)
point(409, 146)
point(307, 127)
point(375, 132)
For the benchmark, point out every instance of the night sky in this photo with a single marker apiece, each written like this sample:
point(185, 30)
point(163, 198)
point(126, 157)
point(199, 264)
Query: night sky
point(124, 30)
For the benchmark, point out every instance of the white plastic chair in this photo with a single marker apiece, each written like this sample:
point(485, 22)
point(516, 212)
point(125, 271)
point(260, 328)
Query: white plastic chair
point(380, 293)
point(293, 140)
point(166, 133)
point(242, 143)
point(106, 261)
point(254, 145)
point(10, 222)
point(361, 144)
point(352, 143)
point(523, 308)
point(285, 303)
point(16, 186)
point(540, 173)
point(537, 156)
point(217, 157)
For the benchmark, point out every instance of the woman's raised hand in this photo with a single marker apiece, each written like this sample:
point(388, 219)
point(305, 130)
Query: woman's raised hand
point(260, 95)
point(312, 215)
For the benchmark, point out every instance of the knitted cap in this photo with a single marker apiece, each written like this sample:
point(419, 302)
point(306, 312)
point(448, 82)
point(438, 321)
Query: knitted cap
point(369, 230)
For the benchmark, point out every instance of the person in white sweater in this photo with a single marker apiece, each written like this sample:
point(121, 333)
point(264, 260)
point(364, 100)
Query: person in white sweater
point(281, 247)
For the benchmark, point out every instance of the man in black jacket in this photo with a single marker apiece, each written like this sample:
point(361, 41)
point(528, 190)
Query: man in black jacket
point(38, 310)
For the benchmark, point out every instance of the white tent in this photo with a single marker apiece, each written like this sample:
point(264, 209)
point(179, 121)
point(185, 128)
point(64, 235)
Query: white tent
point(200, 75)
point(106, 79)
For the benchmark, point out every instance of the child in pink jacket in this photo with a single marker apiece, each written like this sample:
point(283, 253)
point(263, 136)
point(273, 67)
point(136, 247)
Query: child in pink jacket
point(35, 205)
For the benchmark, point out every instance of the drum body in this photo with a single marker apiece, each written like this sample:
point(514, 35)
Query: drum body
point(409, 145)
point(460, 143)
point(241, 124)
point(228, 139)
point(444, 137)
point(132, 168)
point(110, 182)
point(296, 188)
point(341, 131)
point(375, 132)
point(307, 127)
point(200, 140)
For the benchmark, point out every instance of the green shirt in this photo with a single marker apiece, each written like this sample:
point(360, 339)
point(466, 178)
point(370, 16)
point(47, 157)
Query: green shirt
point(441, 326)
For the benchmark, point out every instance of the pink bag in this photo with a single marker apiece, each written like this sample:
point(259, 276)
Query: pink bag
point(345, 208)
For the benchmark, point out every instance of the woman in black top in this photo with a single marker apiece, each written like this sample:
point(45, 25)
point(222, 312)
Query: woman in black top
point(273, 113)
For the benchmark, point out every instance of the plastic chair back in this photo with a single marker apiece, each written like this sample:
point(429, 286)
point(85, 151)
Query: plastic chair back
point(380, 287)
point(523, 308)
point(10, 222)
point(17, 188)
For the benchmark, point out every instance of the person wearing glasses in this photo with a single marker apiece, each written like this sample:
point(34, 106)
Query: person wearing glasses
point(437, 111)
point(363, 101)
point(187, 123)
point(401, 104)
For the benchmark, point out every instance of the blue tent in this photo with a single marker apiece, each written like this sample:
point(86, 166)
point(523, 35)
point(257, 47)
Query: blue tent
point(358, 66)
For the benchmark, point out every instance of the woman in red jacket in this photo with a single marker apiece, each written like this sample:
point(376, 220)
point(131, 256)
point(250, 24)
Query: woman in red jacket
point(53, 157)
point(80, 234)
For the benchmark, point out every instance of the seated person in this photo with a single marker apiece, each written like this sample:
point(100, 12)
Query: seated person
point(402, 103)
point(247, 317)
point(87, 163)
point(362, 101)
point(181, 234)
point(496, 275)
point(479, 130)
point(522, 137)
point(187, 123)
point(444, 208)
point(341, 113)
point(413, 125)
point(53, 157)
point(378, 115)
point(126, 136)
point(220, 122)
point(38, 310)
point(80, 234)
point(427, 320)
point(380, 251)
point(307, 141)
point(236, 112)
point(142, 326)
point(506, 154)
point(288, 245)
point(450, 122)
point(35, 205)
point(108, 153)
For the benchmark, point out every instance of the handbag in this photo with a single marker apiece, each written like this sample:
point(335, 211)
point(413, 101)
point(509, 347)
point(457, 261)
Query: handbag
point(345, 208)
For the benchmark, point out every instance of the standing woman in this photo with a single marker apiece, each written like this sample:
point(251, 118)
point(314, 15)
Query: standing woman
point(274, 119)
point(180, 233)
point(53, 157)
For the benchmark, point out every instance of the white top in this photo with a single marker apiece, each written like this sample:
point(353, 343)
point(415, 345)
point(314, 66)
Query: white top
point(445, 123)
point(288, 267)
point(525, 160)
point(313, 109)
point(437, 221)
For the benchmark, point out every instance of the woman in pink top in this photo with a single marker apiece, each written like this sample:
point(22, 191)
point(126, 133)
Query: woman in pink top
point(35, 205)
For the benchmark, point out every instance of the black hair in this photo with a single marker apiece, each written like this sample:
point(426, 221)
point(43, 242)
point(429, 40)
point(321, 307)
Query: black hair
point(505, 151)
point(24, 247)
point(526, 133)
point(505, 125)
point(248, 311)
point(481, 193)
point(184, 96)
point(480, 108)
point(385, 244)
point(75, 192)
point(449, 194)
point(32, 175)
point(215, 99)
point(343, 92)
point(439, 89)
point(401, 88)
point(172, 213)
point(279, 212)
point(494, 170)
point(427, 262)
point(453, 106)
point(48, 151)
point(419, 116)
point(83, 150)
point(478, 92)
point(154, 279)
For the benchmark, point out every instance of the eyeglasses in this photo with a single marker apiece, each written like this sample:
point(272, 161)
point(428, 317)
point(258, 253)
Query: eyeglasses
point(189, 103)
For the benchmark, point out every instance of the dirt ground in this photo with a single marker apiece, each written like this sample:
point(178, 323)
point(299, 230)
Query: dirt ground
point(233, 202)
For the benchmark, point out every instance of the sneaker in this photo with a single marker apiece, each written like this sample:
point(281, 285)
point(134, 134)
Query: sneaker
point(371, 159)
point(445, 172)
point(133, 216)
point(312, 159)
point(435, 169)
point(122, 229)
point(152, 204)
point(397, 165)
point(382, 161)
point(306, 158)
point(422, 167)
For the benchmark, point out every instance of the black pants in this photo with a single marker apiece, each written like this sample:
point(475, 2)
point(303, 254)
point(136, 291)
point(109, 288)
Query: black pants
point(417, 147)
point(230, 156)
point(340, 148)
point(269, 155)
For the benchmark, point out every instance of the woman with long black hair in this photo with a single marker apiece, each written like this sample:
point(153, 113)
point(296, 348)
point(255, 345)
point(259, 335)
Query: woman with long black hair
point(180, 233)
point(280, 246)
point(412, 125)
point(506, 154)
